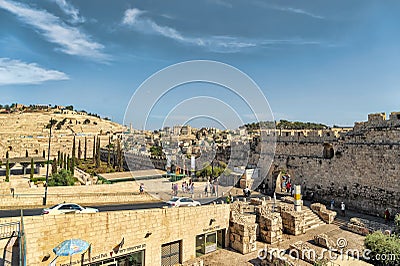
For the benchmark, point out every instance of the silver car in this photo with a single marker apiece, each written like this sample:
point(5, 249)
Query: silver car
point(182, 202)
point(68, 208)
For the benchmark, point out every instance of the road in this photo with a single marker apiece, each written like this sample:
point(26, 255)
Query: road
point(102, 208)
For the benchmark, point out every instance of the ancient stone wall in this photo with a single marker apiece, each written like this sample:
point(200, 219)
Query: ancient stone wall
point(360, 167)
point(242, 229)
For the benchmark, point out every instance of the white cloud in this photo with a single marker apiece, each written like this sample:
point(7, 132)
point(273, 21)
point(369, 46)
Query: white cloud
point(70, 10)
point(70, 39)
point(288, 9)
point(222, 44)
point(221, 3)
point(133, 17)
point(17, 72)
point(297, 11)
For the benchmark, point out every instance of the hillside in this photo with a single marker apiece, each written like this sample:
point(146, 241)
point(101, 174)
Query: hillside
point(28, 131)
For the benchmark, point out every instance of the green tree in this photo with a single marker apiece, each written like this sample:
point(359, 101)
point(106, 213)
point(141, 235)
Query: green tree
point(32, 169)
point(98, 153)
point(65, 162)
point(85, 150)
point(54, 167)
point(62, 178)
point(73, 157)
point(58, 157)
point(380, 244)
point(7, 171)
point(94, 149)
point(119, 156)
point(108, 151)
point(79, 150)
point(68, 163)
point(156, 151)
point(397, 222)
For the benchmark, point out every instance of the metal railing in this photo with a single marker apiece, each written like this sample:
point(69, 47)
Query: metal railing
point(8, 229)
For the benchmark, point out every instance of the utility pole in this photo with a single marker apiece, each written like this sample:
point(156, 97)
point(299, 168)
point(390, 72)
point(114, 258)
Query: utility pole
point(47, 169)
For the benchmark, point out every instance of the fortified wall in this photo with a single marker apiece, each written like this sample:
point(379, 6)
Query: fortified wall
point(359, 167)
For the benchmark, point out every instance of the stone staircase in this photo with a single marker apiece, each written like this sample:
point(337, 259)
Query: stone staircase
point(311, 219)
point(10, 252)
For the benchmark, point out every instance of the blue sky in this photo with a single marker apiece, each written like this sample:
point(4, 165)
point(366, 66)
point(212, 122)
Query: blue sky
point(322, 61)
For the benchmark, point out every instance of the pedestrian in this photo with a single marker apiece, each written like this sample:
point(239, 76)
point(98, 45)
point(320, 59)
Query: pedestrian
point(206, 190)
point(288, 186)
point(192, 188)
point(183, 187)
point(141, 188)
point(332, 204)
point(343, 208)
point(387, 215)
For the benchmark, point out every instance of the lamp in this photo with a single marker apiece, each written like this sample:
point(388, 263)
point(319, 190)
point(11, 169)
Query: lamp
point(148, 234)
point(212, 220)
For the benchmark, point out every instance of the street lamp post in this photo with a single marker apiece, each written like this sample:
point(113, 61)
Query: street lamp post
point(47, 169)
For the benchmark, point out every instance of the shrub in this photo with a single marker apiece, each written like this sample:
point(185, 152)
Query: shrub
point(62, 178)
point(397, 222)
point(382, 248)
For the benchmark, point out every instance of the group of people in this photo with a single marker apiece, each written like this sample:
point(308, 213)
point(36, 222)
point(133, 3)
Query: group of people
point(287, 184)
point(210, 187)
point(187, 187)
point(342, 207)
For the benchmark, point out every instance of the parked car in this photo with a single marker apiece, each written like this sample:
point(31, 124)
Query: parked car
point(68, 208)
point(182, 202)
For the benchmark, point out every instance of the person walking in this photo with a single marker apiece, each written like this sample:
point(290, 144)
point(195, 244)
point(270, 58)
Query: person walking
point(387, 215)
point(332, 204)
point(343, 208)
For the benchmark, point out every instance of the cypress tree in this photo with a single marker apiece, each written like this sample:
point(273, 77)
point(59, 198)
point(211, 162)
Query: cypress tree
point(60, 162)
point(119, 156)
point(73, 157)
point(85, 152)
point(32, 169)
point(98, 153)
point(108, 152)
point(65, 161)
point(7, 171)
point(79, 150)
point(54, 167)
point(73, 149)
point(94, 149)
point(68, 163)
point(58, 156)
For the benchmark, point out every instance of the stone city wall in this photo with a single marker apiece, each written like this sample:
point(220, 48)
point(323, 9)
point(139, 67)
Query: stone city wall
point(360, 167)
point(141, 229)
